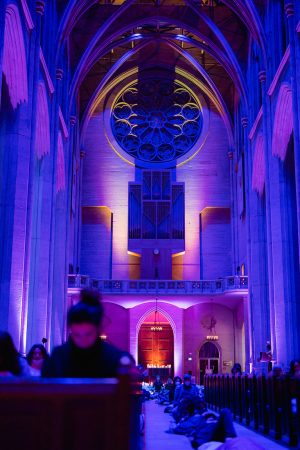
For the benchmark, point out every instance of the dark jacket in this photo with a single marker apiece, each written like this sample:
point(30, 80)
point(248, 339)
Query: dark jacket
point(183, 391)
point(100, 361)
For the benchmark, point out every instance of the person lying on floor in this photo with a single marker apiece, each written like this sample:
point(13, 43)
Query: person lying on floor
point(209, 432)
point(192, 411)
point(202, 426)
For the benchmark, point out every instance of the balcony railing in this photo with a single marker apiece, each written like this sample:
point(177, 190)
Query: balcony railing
point(219, 286)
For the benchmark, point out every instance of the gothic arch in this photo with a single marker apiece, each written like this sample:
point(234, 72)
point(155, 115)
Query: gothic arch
point(283, 122)
point(14, 57)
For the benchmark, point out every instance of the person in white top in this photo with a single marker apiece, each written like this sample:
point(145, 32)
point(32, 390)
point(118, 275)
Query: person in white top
point(36, 357)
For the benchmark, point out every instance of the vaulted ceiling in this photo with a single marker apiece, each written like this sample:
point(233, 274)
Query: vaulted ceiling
point(207, 38)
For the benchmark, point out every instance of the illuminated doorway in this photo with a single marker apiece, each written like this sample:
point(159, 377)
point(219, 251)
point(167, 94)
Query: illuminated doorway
point(156, 346)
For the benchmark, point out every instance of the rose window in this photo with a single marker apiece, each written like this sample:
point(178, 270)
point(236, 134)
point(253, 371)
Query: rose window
point(156, 120)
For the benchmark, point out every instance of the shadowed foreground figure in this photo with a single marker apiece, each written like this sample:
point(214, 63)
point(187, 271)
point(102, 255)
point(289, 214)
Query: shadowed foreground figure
point(85, 355)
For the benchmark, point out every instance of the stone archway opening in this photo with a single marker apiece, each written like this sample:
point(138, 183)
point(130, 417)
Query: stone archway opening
point(209, 356)
point(156, 346)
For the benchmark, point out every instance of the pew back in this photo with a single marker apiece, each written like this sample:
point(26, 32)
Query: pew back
point(65, 414)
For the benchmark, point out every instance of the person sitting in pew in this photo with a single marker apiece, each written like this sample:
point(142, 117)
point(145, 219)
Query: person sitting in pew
point(36, 358)
point(85, 355)
point(11, 363)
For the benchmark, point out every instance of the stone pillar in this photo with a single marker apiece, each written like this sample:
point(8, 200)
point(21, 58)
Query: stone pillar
point(82, 156)
point(234, 219)
point(247, 300)
point(256, 311)
point(295, 83)
point(29, 279)
point(283, 315)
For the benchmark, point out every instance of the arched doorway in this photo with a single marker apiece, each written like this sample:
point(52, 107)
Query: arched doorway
point(156, 345)
point(209, 356)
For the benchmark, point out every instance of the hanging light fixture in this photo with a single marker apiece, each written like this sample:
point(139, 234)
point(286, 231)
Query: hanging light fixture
point(156, 326)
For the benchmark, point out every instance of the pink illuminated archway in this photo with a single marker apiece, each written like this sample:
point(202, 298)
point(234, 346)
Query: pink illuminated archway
point(258, 174)
point(283, 122)
point(14, 57)
point(42, 137)
point(174, 316)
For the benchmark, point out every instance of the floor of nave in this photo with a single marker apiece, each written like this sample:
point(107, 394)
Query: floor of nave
point(156, 438)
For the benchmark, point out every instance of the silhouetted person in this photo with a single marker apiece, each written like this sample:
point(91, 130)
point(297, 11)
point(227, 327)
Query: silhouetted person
point(236, 369)
point(276, 372)
point(10, 364)
point(295, 369)
point(158, 384)
point(85, 355)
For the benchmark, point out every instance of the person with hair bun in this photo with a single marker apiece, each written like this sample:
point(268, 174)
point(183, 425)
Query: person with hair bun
point(85, 355)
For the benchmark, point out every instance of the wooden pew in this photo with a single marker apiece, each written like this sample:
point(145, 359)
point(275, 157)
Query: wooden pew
point(267, 404)
point(68, 414)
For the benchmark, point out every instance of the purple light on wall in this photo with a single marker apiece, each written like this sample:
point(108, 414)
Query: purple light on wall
point(258, 175)
point(14, 58)
point(60, 177)
point(283, 122)
point(42, 138)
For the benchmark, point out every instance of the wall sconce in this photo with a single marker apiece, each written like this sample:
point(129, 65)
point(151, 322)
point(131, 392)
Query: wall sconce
point(103, 337)
point(190, 358)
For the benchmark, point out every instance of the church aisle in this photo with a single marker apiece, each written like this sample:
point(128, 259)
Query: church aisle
point(156, 423)
point(266, 443)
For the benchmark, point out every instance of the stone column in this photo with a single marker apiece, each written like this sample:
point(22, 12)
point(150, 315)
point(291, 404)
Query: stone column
point(295, 83)
point(247, 300)
point(27, 324)
point(234, 219)
point(56, 296)
point(256, 311)
point(82, 156)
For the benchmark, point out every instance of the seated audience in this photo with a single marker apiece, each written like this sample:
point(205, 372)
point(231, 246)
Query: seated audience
point(10, 362)
point(164, 395)
point(187, 389)
point(85, 355)
point(36, 357)
point(276, 372)
point(176, 382)
point(236, 369)
point(158, 384)
point(295, 369)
